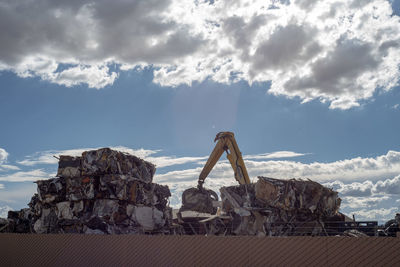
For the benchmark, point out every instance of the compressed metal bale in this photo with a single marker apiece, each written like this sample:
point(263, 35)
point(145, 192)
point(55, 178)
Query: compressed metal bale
point(297, 194)
point(108, 161)
point(149, 218)
point(115, 186)
point(64, 210)
point(69, 166)
point(152, 195)
point(78, 188)
point(105, 209)
point(48, 222)
point(279, 207)
point(127, 188)
point(51, 190)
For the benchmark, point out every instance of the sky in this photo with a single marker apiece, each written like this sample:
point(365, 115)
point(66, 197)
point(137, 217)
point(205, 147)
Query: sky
point(310, 89)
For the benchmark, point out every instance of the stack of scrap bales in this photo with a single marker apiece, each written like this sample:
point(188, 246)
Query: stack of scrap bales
point(103, 191)
point(276, 207)
point(17, 222)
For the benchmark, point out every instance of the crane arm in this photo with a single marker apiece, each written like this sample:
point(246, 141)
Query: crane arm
point(226, 142)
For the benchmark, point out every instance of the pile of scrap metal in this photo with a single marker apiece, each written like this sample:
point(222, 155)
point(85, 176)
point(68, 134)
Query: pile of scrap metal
point(102, 192)
point(273, 207)
point(391, 227)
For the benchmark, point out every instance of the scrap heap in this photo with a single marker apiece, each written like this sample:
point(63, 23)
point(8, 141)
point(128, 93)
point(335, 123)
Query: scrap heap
point(103, 191)
point(276, 207)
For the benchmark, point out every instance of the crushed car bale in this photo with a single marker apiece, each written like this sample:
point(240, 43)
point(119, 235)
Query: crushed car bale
point(102, 192)
point(274, 207)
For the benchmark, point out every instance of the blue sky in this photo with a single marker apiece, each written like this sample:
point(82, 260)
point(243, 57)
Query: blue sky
point(308, 95)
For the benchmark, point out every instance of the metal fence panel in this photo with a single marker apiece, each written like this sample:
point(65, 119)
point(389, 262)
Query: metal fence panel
point(136, 250)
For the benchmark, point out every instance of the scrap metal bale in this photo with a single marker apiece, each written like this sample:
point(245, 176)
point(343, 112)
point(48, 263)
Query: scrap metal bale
point(149, 218)
point(152, 195)
point(108, 161)
point(69, 166)
point(51, 190)
point(127, 188)
point(64, 210)
point(79, 188)
point(105, 209)
point(118, 186)
point(297, 195)
point(279, 207)
point(48, 222)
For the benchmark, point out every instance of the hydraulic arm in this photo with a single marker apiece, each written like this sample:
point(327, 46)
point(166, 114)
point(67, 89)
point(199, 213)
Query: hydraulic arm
point(226, 142)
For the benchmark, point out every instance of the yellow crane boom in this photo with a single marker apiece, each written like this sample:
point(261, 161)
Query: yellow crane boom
point(226, 142)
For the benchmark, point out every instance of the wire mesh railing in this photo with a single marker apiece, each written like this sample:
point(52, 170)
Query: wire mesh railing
point(313, 228)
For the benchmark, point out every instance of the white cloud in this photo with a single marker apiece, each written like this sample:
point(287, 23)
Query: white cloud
point(6, 167)
point(1, 186)
point(275, 155)
point(362, 202)
point(95, 76)
point(23, 176)
point(87, 38)
point(165, 161)
point(3, 155)
point(335, 51)
point(396, 106)
point(382, 187)
point(370, 200)
point(388, 186)
point(3, 159)
point(382, 214)
point(354, 189)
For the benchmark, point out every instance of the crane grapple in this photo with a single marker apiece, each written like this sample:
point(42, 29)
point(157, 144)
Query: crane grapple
point(200, 199)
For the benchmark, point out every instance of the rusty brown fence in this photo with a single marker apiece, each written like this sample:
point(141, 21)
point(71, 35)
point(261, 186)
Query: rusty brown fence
point(133, 250)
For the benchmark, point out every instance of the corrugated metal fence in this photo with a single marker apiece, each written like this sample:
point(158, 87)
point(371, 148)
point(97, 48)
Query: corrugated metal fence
point(133, 250)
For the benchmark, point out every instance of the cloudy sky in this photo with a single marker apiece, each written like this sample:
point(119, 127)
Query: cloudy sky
point(310, 88)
